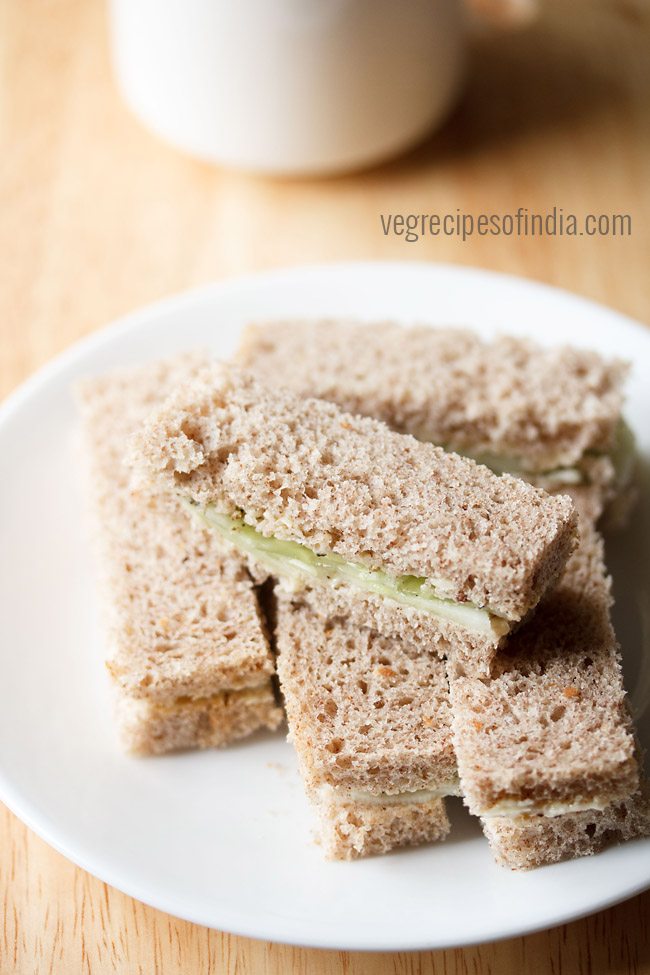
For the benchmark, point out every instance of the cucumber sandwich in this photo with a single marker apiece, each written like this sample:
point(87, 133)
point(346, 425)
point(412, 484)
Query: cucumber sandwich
point(394, 533)
point(188, 653)
point(547, 753)
point(370, 719)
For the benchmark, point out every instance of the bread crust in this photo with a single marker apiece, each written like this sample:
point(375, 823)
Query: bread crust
point(303, 471)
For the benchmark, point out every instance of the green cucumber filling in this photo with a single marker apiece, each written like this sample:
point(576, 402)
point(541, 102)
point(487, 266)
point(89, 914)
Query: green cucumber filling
point(296, 562)
point(622, 456)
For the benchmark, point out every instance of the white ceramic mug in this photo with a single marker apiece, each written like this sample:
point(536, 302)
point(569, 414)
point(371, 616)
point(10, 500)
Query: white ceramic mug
point(289, 86)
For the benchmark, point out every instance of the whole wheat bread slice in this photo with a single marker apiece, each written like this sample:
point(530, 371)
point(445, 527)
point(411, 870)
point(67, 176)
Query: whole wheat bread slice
point(552, 727)
point(184, 623)
point(302, 471)
point(545, 408)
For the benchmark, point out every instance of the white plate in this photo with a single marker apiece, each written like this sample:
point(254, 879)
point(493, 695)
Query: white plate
point(224, 838)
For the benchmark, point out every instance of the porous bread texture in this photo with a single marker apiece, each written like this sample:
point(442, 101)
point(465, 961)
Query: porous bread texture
point(348, 830)
point(533, 841)
point(506, 395)
point(303, 471)
point(474, 652)
point(149, 727)
point(183, 619)
point(365, 712)
point(552, 725)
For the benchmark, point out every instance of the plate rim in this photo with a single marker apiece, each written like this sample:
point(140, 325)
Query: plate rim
point(235, 922)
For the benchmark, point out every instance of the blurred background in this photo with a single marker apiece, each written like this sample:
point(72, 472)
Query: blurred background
point(98, 216)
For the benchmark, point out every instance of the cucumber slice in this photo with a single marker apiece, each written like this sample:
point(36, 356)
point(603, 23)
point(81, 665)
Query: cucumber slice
point(296, 562)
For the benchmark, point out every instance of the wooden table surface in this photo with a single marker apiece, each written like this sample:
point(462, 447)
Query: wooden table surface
point(98, 217)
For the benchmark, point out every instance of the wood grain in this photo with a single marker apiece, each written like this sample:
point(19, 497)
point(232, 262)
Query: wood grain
point(97, 217)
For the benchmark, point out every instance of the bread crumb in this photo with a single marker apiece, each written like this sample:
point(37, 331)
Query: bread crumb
point(386, 671)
